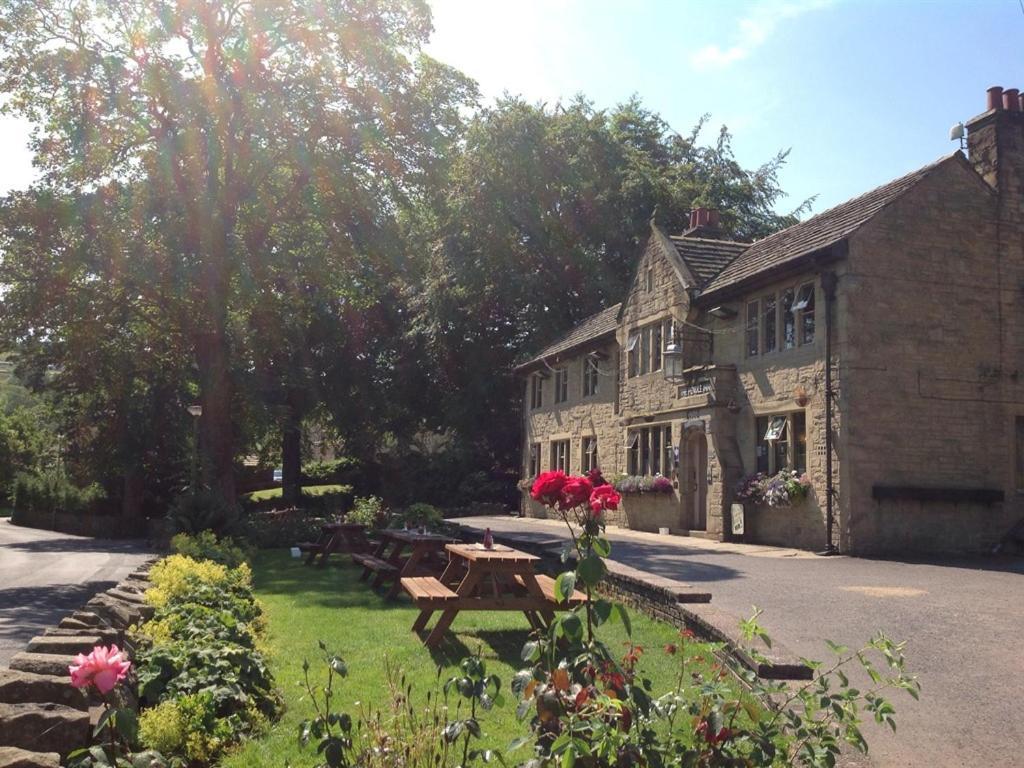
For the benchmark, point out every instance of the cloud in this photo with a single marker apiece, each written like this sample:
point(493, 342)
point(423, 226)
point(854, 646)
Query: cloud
point(753, 30)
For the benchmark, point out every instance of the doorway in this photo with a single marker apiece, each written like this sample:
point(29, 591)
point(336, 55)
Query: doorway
point(695, 473)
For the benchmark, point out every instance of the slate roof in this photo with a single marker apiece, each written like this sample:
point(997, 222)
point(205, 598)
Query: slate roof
point(821, 231)
point(706, 257)
point(594, 327)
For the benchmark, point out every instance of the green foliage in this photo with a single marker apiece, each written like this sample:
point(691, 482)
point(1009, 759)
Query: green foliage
point(282, 528)
point(198, 664)
point(369, 511)
point(51, 491)
point(331, 498)
point(193, 513)
point(338, 470)
point(205, 545)
point(419, 514)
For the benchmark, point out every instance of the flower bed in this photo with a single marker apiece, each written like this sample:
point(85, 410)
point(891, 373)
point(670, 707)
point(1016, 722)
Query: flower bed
point(643, 484)
point(783, 489)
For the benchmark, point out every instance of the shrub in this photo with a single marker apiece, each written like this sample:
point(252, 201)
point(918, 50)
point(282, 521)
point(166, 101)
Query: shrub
point(283, 528)
point(51, 492)
point(419, 514)
point(177, 577)
point(186, 727)
point(203, 511)
point(370, 511)
point(338, 470)
point(206, 546)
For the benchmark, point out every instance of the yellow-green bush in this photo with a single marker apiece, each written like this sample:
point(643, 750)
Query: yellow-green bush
point(186, 727)
point(177, 575)
point(206, 546)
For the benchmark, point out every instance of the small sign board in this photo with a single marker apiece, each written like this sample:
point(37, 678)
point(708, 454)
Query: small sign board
point(695, 384)
point(737, 519)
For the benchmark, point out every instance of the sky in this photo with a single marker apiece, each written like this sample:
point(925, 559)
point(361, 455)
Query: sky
point(860, 91)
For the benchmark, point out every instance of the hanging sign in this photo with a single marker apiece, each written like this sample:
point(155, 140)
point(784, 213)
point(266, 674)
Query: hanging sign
point(695, 384)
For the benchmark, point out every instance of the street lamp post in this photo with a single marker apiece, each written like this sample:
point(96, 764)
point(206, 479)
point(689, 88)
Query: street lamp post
point(195, 411)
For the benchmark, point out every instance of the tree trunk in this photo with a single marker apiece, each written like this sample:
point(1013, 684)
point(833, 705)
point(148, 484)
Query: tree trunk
point(291, 458)
point(132, 495)
point(217, 444)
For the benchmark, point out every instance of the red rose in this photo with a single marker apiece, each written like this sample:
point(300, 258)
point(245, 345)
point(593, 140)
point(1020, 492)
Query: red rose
point(604, 497)
point(575, 493)
point(547, 488)
point(596, 478)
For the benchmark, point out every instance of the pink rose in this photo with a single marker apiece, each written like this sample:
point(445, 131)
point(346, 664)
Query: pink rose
point(103, 667)
point(547, 488)
point(604, 497)
point(575, 492)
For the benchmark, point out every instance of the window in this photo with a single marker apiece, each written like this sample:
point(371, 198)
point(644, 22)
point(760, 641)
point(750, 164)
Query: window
point(633, 453)
point(805, 306)
point(534, 459)
point(649, 451)
point(536, 391)
point(591, 374)
point(1020, 453)
point(561, 385)
point(588, 454)
point(656, 347)
point(633, 353)
point(560, 455)
point(645, 349)
point(753, 330)
point(669, 462)
point(769, 323)
point(788, 320)
point(781, 442)
point(649, 280)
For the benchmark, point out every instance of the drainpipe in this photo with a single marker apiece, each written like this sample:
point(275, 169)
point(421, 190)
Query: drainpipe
point(828, 285)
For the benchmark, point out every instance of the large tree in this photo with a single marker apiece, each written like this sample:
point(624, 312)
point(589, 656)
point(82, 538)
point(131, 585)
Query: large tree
point(546, 211)
point(212, 120)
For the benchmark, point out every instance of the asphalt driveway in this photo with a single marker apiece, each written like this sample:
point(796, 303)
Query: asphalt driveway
point(962, 620)
point(44, 575)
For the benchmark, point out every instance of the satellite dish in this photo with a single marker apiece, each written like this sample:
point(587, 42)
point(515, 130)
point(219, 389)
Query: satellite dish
point(956, 133)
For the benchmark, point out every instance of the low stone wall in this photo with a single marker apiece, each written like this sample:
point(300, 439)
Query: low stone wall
point(801, 526)
point(81, 524)
point(651, 511)
point(42, 717)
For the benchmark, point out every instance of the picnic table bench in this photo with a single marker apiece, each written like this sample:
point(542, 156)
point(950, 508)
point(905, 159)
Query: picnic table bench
point(495, 579)
point(403, 554)
point(335, 537)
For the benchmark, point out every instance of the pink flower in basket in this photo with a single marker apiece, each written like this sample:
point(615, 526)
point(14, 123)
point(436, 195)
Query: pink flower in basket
point(103, 667)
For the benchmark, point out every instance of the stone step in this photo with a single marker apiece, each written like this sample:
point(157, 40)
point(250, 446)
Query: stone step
point(42, 663)
point(43, 727)
point(18, 687)
point(107, 636)
point(126, 596)
point(63, 644)
point(12, 757)
point(81, 619)
point(116, 613)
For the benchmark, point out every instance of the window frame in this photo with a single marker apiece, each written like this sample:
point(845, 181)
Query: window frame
point(769, 323)
point(534, 460)
point(561, 385)
point(591, 375)
point(805, 310)
point(536, 391)
point(558, 459)
point(588, 453)
point(792, 436)
point(752, 335)
point(632, 359)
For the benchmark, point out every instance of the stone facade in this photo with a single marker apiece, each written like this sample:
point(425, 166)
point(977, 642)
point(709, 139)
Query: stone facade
point(918, 314)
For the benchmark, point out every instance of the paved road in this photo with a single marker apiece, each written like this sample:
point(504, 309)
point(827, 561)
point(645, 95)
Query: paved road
point(963, 620)
point(45, 575)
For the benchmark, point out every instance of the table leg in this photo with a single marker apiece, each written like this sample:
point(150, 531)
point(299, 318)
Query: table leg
point(330, 546)
point(421, 620)
point(378, 552)
point(409, 569)
point(469, 583)
point(395, 559)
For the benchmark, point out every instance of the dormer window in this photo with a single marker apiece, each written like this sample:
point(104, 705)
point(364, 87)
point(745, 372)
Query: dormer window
point(561, 385)
point(591, 374)
point(536, 391)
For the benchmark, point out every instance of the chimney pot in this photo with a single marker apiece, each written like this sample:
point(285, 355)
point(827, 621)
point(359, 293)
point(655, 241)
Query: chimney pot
point(995, 97)
point(1011, 99)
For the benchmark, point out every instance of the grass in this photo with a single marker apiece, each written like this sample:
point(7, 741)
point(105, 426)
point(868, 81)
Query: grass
point(305, 605)
point(307, 490)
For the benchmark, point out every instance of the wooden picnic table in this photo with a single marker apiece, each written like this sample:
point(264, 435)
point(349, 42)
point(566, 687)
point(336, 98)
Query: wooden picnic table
point(335, 537)
point(400, 554)
point(495, 579)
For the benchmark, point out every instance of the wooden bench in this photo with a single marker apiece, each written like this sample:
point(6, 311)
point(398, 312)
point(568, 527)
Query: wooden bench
point(547, 586)
point(311, 549)
point(427, 591)
point(371, 563)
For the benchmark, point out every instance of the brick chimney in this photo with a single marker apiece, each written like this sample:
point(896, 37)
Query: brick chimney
point(995, 142)
point(703, 223)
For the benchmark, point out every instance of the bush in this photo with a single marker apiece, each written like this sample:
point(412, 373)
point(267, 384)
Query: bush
point(340, 470)
point(283, 528)
point(203, 511)
point(419, 514)
point(178, 577)
point(186, 727)
point(370, 511)
point(206, 546)
point(52, 492)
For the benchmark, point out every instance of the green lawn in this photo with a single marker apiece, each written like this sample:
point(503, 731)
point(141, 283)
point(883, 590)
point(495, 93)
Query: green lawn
point(307, 604)
point(307, 490)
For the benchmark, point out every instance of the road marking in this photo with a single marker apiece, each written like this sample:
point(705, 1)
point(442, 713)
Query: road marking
point(887, 591)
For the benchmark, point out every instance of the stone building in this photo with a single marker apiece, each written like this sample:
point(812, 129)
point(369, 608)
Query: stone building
point(877, 347)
